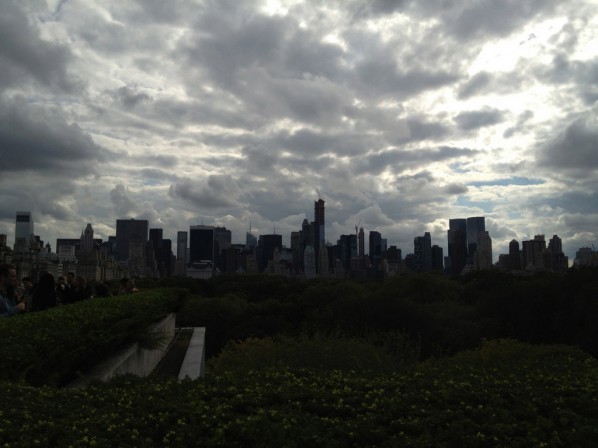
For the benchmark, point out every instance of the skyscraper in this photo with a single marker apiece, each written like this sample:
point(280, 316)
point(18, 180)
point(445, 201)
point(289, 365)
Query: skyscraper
point(533, 253)
point(475, 225)
point(514, 256)
point(422, 249)
point(23, 228)
point(457, 246)
point(483, 254)
point(319, 232)
point(181, 246)
point(375, 251)
point(130, 232)
point(347, 247)
point(266, 246)
point(87, 242)
point(437, 258)
point(201, 244)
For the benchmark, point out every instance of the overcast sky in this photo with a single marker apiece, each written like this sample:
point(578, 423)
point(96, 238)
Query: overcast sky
point(402, 114)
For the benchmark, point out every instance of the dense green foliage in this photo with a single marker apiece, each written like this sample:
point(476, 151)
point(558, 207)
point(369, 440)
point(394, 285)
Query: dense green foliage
point(506, 394)
point(50, 347)
point(415, 361)
point(382, 353)
point(443, 316)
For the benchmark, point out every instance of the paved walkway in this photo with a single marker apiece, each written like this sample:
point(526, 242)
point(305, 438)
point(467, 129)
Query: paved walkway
point(194, 362)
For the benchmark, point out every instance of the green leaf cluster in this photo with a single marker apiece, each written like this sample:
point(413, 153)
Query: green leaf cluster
point(51, 347)
point(505, 394)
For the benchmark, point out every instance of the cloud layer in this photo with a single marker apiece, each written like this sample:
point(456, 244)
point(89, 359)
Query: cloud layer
point(401, 114)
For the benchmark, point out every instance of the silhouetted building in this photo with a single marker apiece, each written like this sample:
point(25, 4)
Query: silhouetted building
point(347, 249)
point(457, 246)
point(483, 254)
point(533, 254)
point(437, 258)
point(514, 259)
point(375, 249)
point(475, 226)
point(130, 233)
point(266, 246)
point(23, 229)
point(201, 244)
point(422, 251)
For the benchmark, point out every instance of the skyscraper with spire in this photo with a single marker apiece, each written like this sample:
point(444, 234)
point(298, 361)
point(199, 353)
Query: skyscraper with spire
point(319, 232)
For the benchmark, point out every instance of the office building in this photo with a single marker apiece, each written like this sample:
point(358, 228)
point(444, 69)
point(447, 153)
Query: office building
point(201, 244)
point(475, 226)
point(514, 258)
point(181, 246)
point(457, 246)
point(375, 249)
point(23, 229)
point(129, 233)
point(266, 246)
point(483, 253)
point(437, 258)
point(422, 251)
point(532, 256)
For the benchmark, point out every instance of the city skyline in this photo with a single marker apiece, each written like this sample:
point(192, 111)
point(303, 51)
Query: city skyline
point(140, 231)
point(400, 115)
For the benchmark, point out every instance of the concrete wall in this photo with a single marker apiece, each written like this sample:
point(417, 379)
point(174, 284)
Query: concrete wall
point(133, 360)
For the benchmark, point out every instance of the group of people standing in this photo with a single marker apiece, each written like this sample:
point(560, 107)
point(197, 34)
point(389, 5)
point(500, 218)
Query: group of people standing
point(47, 293)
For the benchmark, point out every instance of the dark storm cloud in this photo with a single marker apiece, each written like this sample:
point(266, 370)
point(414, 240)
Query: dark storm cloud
point(161, 161)
point(155, 11)
point(123, 205)
point(204, 109)
point(475, 84)
point(130, 97)
point(39, 139)
point(223, 47)
point(366, 10)
point(575, 149)
point(25, 56)
point(400, 160)
point(154, 176)
point(422, 129)
point(272, 68)
point(381, 76)
point(260, 159)
point(215, 193)
point(308, 143)
point(456, 189)
point(471, 20)
point(582, 74)
point(471, 120)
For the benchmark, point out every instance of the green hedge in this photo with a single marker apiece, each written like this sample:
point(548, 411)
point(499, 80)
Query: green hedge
point(50, 347)
point(505, 395)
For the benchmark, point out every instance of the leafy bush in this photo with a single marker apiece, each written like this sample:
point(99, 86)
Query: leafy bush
point(49, 347)
point(317, 352)
point(529, 396)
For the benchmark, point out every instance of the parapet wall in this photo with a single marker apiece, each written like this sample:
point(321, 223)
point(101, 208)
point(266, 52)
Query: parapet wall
point(135, 359)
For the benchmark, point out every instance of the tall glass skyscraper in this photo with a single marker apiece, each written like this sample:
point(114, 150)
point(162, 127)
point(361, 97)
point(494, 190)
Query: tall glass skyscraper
point(130, 231)
point(23, 226)
point(475, 225)
point(457, 246)
point(201, 243)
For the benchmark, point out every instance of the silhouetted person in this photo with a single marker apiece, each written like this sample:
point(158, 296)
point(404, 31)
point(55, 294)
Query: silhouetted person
point(8, 284)
point(126, 286)
point(80, 291)
point(44, 293)
point(26, 294)
point(102, 290)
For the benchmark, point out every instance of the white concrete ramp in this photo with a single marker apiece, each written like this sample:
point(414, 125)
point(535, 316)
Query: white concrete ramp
point(194, 363)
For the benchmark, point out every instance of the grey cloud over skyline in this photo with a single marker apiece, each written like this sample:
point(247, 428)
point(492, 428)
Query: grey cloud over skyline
point(403, 114)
